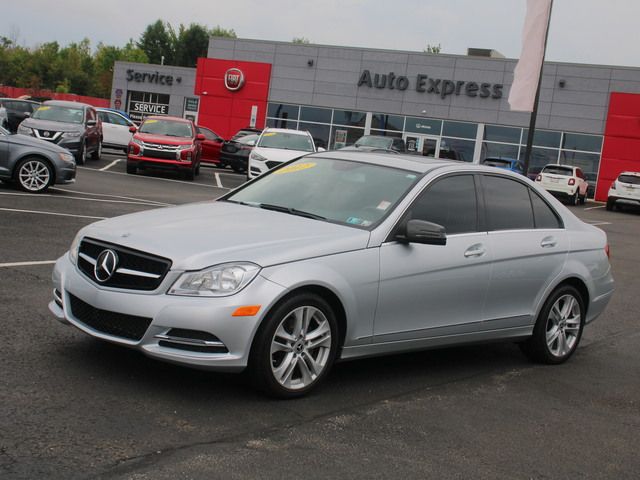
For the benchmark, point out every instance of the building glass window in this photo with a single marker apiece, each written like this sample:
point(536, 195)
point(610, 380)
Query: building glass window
point(456, 149)
point(498, 150)
point(460, 130)
point(587, 143)
point(313, 114)
point(343, 136)
point(495, 133)
point(539, 158)
point(283, 110)
point(543, 138)
point(427, 126)
point(387, 122)
point(319, 132)
point(351, 118)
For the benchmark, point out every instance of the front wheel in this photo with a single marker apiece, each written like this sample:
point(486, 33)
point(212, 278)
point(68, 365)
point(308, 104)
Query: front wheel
point(97, 153)
point(33, 175)
point(558, 328)
point(610, 204)
point(296, 346)
point(81, 156)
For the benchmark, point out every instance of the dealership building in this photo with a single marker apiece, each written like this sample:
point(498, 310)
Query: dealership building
point(448, 106)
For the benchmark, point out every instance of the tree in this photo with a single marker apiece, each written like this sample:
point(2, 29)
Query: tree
point(157, 41)
point(218, 31)
point(191, 43)
point(300, 40)
point(433, 48)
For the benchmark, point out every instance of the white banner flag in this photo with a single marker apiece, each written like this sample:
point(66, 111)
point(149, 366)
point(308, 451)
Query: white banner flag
point(525, 77)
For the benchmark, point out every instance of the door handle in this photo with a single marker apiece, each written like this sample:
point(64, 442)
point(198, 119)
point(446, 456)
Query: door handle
point(476, 250)
point(548, 242)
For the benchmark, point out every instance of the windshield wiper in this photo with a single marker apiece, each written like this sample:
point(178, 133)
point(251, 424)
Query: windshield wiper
point(291, 211)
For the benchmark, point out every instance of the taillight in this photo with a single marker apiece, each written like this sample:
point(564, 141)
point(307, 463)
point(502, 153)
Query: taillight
point(539, 178)
point(606, 250)
point(572, 181)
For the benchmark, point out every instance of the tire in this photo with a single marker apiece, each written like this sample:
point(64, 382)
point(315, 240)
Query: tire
point(611, 203)
point(573, 200)
point(131, 168)
point(81, 157)
point(288, 358)
point(97, 153)
point(189, 174)
point(33, 175)
point(582, 199)
point(558, 329)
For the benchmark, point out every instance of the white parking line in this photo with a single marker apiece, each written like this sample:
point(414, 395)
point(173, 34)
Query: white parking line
point(16, 210)
point(593, 208)
point(218, 182)
point(154, 178)
point(141, 200)
point(115, 162)
point(150, 203)
point(26, 264)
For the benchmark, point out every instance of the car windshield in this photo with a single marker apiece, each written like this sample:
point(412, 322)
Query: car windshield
point(378, 142)
point(58, 113)
point(169, 128)
point(286, 141)
point(248, 139)
point(633, 179)
point(558, 170)
point(346, 192)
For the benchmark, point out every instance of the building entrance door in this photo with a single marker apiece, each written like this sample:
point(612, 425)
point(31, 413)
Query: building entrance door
point(425, 145)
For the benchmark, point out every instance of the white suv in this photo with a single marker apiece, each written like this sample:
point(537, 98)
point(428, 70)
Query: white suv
point(564, 181)
point(278, 145)
point(625, 189)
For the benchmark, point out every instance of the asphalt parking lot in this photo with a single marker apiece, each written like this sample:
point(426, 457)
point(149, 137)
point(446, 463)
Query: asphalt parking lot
point(73, 407)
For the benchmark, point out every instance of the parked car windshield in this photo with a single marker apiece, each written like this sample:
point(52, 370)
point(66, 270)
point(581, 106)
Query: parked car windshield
point(286, 141)
point(57, 113)
point(346, 192)
point(558, 170)
point(170, 128)
point(633, 179)
point(378, 142)
point(248, 139)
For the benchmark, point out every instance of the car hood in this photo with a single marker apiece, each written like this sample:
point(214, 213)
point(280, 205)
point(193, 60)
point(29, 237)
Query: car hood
point(163, 139)
point(279, 154)
point(26, 140)
point(51, 125)
point(199, 235)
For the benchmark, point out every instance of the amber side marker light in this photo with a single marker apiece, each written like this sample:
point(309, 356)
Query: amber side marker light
point(246, 311)
point(607, 251)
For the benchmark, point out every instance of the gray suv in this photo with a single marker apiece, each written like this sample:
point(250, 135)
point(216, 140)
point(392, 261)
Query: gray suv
point(71, 125)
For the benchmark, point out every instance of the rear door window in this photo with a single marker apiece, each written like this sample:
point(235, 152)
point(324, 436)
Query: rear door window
point(507, 204)
point(544, 215)
point(558, 170)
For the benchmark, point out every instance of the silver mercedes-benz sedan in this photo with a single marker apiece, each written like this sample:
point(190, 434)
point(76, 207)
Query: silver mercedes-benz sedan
point(339, 255)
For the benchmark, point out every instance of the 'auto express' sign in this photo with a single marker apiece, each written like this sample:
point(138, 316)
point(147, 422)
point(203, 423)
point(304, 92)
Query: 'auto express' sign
point(425, 84)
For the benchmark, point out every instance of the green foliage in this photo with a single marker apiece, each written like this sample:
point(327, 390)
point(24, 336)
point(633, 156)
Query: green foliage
point(433, 48)
point(77, 68)
point(300, 40)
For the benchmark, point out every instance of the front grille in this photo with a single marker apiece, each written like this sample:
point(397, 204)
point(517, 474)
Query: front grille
point(271, 164)
point(112, 323)
point(163, 154)
point(134, 270)
point(49, 135)
point(229, 148)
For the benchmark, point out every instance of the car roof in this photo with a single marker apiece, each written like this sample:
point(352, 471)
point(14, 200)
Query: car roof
point(65, 103)
point(286, 130)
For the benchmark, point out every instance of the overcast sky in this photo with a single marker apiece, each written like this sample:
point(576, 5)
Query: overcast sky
point(602, 32)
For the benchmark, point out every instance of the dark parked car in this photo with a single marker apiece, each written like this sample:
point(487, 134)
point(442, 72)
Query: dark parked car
point(235, 153)
point(15, 111)
point(72, 125)
point(32, 164)
point(378, 143)
point(246, 131)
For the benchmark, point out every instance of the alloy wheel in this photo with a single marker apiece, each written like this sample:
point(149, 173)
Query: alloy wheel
point(34, 176)
point(563, 325)
point(300, 348)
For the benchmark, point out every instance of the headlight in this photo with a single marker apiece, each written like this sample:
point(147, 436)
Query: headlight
point(257, 156)
point(217, 281)
point(73, 249)
point(71, 134)
point(66, 157)
point(24, 130)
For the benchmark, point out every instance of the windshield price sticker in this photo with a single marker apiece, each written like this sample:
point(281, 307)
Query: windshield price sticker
point(295, 168)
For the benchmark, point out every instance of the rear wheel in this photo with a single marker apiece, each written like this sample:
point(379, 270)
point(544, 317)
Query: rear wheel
point(81, 156)
point(582, 199)
point(296, 346)
point(33, 175)
point(97, 153)
point(558, 328)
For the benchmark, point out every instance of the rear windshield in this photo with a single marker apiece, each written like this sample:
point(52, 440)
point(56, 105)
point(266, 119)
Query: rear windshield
point(558, 170)
point(378, 142)
point(633, 179)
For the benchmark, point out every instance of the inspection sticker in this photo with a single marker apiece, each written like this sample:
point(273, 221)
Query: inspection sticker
point(383, 205)
point(42, 109)
point(295, 168)
point(151, 121)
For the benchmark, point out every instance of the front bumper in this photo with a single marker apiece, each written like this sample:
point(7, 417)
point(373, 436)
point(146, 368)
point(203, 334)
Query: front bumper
point(66, 174)
point(167, 312)
point(166, 164)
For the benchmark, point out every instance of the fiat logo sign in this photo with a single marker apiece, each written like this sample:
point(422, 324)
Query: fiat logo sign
point(233, 79)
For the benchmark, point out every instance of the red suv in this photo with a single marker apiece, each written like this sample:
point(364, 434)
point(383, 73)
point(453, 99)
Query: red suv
point(166, 142)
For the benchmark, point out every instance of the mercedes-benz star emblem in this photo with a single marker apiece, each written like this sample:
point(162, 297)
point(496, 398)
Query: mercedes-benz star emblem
point(106, 265)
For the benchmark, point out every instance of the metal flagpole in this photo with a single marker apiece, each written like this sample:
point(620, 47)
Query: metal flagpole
point(534, 112)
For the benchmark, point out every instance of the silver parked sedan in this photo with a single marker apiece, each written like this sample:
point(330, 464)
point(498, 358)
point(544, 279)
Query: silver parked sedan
point(339, 255)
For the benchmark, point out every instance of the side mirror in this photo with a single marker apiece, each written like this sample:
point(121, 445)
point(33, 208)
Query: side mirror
point(420, 231)
point(200, 137)
point(91, 123)
point(133, 129)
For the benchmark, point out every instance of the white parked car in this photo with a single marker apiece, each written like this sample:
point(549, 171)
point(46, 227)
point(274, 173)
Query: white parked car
point(624, 189)
point(565, 182)
point(276, 146)
point(115, 129)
